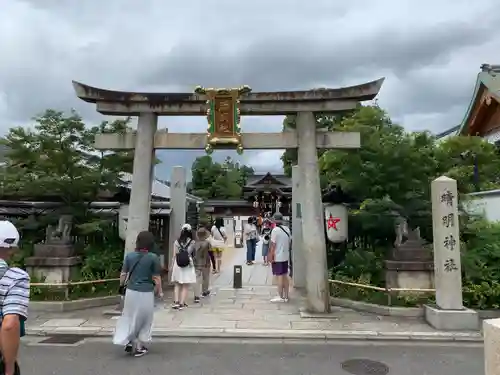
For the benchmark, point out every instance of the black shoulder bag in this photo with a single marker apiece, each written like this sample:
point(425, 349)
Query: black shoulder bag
point(123, 288)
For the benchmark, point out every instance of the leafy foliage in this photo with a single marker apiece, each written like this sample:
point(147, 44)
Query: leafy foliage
point(480, 259)
point(399, 166)
point(215, 180)
point(390, 175)
point(57, 159)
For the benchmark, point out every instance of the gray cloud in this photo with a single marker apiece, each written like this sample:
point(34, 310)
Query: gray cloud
point(297, 61)
point(429, 51)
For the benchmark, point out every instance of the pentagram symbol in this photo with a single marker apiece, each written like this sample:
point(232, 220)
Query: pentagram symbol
point(332, 222)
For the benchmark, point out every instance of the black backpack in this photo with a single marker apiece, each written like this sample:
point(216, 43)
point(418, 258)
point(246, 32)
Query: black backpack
point(182, 257)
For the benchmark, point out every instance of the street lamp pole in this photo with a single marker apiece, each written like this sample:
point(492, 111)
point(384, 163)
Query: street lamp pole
point(475, 178)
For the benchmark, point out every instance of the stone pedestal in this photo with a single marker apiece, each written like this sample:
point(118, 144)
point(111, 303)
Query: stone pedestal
point(409, 275)
point(449, 312)
point(54, 269)
point(451, 320)
point(411, 265)
point(58, 249)
point(491, 333)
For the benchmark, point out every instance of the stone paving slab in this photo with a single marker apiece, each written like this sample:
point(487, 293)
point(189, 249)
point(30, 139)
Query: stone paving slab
point(247, 313)
point(285, 334)
point(63, 323)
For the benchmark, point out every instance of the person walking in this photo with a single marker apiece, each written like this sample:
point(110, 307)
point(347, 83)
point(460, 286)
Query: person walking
point(219, 241)
point(183, 272)
point(140, 278)
point(250, 236)
point(266, 239)
point(14, 299)
point(202, 263)
point(212, 260)
point(279, 256)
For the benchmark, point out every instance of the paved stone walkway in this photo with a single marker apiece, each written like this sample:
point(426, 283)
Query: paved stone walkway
point(248, 312)
point(255, 275)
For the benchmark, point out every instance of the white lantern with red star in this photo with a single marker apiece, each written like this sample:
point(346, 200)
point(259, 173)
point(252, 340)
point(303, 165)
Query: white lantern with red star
point(336, 222)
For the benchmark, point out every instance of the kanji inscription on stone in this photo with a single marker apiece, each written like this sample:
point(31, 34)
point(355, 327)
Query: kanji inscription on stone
point(447, 262)
point(447, 198)
point(449, 220)
point(450, 242)
point(450, 265)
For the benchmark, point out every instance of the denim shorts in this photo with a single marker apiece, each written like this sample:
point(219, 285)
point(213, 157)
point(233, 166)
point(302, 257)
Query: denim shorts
point(265, 249)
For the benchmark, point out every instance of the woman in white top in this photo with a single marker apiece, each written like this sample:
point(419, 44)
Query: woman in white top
point(183, 276)
point(250, 236)
point(219, 235)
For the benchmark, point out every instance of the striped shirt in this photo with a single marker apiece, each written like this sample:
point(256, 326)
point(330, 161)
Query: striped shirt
point(14, 290)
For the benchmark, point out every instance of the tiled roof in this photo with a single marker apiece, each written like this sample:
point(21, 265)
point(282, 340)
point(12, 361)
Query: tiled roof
point(489, 77)
point(285, 180)
point(159, 189)
point(448, 132)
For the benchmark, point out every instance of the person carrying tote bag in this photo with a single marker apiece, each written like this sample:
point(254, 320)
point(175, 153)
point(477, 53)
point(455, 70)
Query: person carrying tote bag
point(218, 241)
point(141, 278)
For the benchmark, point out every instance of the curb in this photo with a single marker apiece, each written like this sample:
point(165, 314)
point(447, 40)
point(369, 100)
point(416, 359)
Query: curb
point(320, 335)
point(66, 306)
point(406, 312)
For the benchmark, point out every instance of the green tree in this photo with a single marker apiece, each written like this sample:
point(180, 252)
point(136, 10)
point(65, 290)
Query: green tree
point(391, 164)
point(399, 166)
point(56, 158)
point(457, 157)
point(218, 180)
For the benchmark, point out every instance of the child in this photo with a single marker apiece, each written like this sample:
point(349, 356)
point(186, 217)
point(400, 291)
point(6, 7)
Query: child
point(201, 259)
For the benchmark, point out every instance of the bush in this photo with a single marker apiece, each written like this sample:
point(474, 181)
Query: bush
point(480, 264)
point(73, 292)
point(362, 264)
point(480, 255)
point(101, 250)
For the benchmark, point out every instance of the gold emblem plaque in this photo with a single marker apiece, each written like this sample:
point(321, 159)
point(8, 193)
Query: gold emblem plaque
point(223, 116)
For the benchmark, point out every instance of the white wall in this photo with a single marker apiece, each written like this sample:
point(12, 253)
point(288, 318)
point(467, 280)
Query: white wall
point(493, 136)
point(485, 203)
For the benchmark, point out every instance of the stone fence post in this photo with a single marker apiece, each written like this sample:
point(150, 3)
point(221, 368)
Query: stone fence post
point(491, 333)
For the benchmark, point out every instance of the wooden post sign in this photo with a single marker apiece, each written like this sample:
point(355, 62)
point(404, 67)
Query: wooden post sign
point(223, 115)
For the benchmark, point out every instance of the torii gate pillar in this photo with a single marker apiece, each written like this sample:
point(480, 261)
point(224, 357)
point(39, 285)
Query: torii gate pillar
point(142, 180)
point(313, 223)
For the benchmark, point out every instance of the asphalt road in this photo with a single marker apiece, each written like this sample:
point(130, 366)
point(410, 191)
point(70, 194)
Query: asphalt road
point(100, 357)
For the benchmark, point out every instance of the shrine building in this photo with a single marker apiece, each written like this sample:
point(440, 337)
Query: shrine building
point(483, 114)
point(263, 193)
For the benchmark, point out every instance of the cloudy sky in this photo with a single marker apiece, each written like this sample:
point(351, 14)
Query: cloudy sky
point(429, 52)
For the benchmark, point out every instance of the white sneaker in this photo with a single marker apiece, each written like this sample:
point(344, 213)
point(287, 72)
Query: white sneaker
point(277, 299)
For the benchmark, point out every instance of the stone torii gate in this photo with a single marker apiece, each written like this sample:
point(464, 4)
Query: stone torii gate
point(223, 108)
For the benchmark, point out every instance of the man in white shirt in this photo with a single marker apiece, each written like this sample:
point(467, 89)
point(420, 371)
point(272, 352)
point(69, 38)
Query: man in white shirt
point(279, 256)
point(14, 298)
